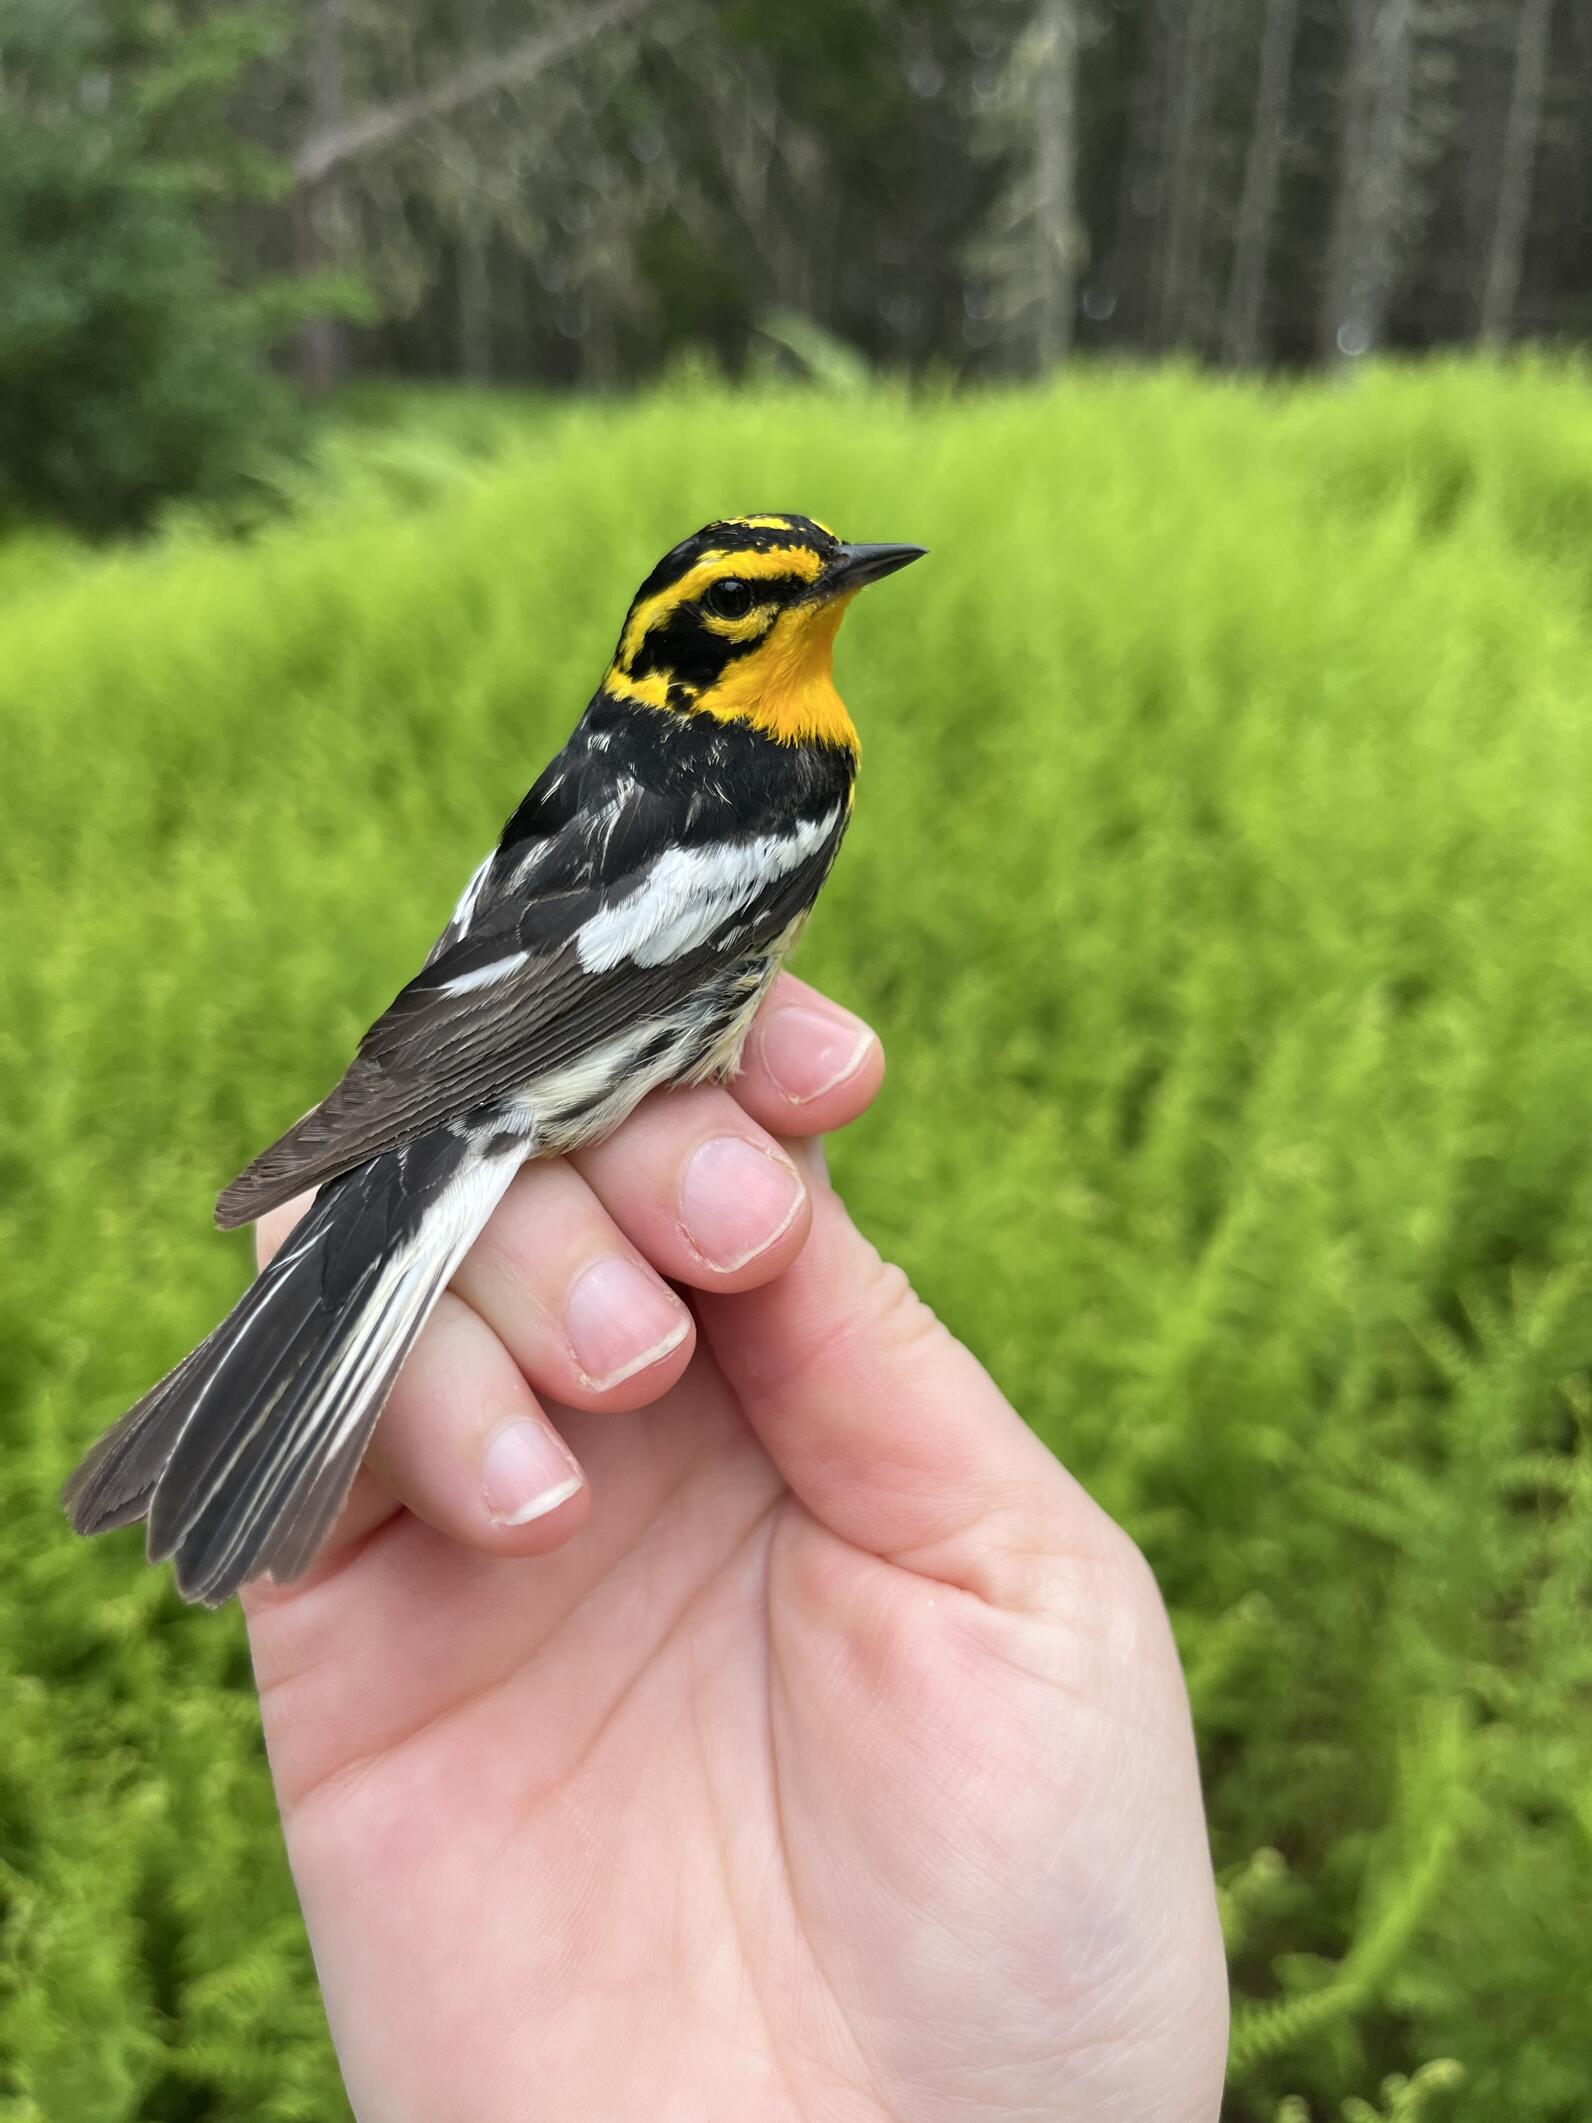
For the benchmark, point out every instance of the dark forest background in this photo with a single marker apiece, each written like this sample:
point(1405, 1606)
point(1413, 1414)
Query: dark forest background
point(570, 191)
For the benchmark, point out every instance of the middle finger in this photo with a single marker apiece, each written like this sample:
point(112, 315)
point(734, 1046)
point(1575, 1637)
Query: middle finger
point(586, 1319)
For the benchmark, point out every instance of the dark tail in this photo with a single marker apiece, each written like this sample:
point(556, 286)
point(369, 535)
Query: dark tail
point(241, 1458)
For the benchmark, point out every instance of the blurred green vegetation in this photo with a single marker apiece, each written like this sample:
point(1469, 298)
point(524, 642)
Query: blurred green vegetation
point(1220, 885)
point(132, 370)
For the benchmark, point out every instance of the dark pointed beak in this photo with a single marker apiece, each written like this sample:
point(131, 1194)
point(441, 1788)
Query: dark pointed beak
point(857, 565)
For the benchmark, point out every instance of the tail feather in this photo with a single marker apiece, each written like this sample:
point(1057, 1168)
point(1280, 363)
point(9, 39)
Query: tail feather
point(115, 1480)
point(241, 1457)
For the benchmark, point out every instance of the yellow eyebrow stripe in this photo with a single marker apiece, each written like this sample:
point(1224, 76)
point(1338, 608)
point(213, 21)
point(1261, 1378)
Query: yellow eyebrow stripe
point(778, 523)
point(750, 565)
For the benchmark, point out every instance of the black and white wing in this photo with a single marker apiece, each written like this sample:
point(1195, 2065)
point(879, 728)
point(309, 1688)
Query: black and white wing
point(575, 956)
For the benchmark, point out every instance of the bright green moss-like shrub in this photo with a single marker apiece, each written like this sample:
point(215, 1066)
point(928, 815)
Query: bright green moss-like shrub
point(1222, 886)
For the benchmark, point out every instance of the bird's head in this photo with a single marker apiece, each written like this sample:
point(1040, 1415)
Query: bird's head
point(739, 622)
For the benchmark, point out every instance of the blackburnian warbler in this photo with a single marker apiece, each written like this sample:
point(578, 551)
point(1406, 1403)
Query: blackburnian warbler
point(618, 939)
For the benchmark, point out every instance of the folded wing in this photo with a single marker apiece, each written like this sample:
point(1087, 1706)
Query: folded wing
point(546, 967)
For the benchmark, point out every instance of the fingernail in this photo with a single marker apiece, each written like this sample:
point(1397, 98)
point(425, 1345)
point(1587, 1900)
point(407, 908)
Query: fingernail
point(527, 1471)
point(808, 1054)
point(736, 1200)
point(619, 1320)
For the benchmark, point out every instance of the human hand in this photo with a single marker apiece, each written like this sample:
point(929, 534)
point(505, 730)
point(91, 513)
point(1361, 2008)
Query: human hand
point(821, 1751)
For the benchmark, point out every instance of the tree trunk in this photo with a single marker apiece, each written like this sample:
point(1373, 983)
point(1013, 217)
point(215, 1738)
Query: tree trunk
point(1506, 252)
point(1257, 206)
point(1123, 290)
point(473, 264)
point(322, 341)
point(1054, 226)
point(1372, 173)
point(472, 250)
point(1180, 280)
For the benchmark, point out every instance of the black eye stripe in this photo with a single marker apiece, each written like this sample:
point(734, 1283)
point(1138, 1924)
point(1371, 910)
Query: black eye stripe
point(685, 644)
point(759, 590)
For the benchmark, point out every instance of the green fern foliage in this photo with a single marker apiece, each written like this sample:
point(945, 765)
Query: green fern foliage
point(1220, 885)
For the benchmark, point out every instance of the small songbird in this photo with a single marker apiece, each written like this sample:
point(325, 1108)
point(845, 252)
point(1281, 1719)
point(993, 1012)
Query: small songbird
point(618, 938)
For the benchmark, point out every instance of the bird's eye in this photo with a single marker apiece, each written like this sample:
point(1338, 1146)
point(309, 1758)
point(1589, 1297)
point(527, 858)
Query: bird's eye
point(729, 598)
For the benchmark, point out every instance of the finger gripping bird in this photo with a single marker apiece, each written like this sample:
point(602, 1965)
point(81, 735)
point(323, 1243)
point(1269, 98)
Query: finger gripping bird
point(619, 938)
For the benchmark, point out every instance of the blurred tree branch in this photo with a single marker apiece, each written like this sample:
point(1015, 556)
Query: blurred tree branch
point(326, 150)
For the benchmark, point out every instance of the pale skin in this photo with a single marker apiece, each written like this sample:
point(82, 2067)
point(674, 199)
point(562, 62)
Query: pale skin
point(818, 1749)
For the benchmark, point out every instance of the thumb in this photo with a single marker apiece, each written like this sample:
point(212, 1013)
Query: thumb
point(890, 1431)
